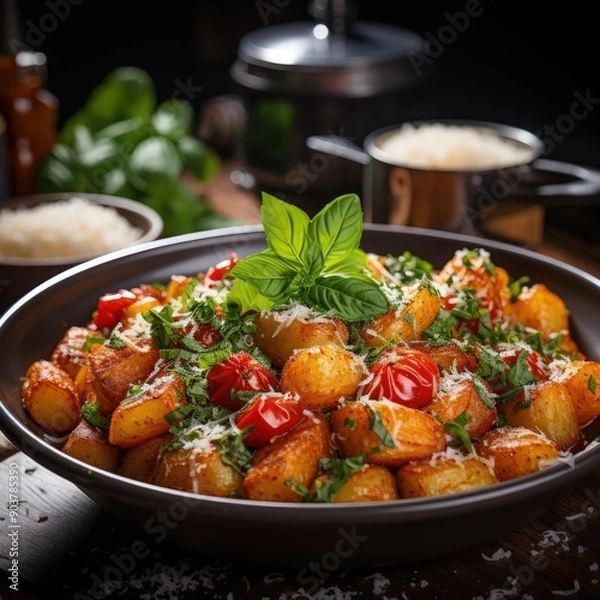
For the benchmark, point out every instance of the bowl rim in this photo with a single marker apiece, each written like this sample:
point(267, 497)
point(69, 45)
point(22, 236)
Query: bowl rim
point(92, 479)
point(151, 230)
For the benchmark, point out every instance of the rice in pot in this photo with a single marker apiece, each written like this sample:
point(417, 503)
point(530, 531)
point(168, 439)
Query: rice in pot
point(440, 146)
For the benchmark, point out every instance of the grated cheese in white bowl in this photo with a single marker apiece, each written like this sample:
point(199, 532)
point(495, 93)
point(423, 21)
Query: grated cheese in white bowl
point(73, 227)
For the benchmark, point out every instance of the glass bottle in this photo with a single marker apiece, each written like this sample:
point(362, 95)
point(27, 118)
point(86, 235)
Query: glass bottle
point(29, 111)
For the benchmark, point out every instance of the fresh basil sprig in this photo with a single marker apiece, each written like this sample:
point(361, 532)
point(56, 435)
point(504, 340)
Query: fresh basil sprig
point(316, 262)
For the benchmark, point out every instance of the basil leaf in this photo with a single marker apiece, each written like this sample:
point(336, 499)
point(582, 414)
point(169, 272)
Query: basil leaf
point(313, 260)
point(173, 118)
point(338, 228)
point(199, 158)
point(351, 298)
point(286, 229)
point(125, 93)
point(156, 159)
point(243, 297)
point(354, 263)
point(266, 273)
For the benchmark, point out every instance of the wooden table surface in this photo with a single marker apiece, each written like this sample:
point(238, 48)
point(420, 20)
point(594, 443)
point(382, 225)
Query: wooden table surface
point(67, 547)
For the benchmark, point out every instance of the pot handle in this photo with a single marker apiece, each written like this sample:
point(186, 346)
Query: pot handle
point(338, 146)
point(580, 192)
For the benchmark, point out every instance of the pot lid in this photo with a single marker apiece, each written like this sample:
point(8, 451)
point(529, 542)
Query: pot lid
point(310, 58)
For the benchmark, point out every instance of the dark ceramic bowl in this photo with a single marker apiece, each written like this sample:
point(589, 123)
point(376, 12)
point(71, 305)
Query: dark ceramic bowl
point(279, 534)
point(19, 275)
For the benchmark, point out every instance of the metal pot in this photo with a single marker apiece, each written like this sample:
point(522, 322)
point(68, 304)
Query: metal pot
point(331, 75)
point(395, 192)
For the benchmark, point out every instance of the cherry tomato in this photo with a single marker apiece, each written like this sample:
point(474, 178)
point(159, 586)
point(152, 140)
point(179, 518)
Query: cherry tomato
point(215, 274)
point(404, 375)
point(110, 307)
point(241, 372)
point(269, 415)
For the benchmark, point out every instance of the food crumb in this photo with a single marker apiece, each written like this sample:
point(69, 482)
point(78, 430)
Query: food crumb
point(498, 555)
point(380, 583)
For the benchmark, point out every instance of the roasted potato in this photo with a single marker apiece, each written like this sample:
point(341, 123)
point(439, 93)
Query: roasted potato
point(461, 396)
point(449, 357)
point(115, 370)
point(443, 475)
point(50, 397)
point(279, 334)
point(142, 416)
point(582, 380)
point(516, 451)
point(540, 308)
point(199, 470)
point(388, 434)
point(406, 323)
point(70, 353)
point(321, 376)
point(91, 446)
point(292, 457)
point(372, 483)
point(546, 407)
point(471, 270)
point(140, 462)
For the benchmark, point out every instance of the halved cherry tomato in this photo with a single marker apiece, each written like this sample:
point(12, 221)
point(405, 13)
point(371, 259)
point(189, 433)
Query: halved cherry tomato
point(110, 307)
point(269, 415)
point(404, 375)
point(241, 372)
point(215, 274)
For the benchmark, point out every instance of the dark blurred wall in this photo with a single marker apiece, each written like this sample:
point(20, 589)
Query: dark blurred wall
point(507, 60)
point(527, 64)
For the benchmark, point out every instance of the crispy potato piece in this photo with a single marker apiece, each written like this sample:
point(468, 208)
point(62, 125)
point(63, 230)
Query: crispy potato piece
point(449, 357)
point(371, 484)
point(542, 309)
point(406, 323)
point(199, 470)
point(142, 417)
point(442, 475)
point(140, 462)
point(91, 446)
point(279, 334)
point(516, 451)
point(70, 353)
point(548, 408)
point(462, 397)
point(491, 284)
point(412, 434)
point(293, 456)
point(50, 397)
point(582, 380)
point(115, 370)
point(321, 376)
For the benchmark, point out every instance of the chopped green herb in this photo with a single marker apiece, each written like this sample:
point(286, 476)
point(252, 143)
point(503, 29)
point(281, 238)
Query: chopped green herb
point(457, 429)
point(592, 384)
point(376, 425)
point(90, 411)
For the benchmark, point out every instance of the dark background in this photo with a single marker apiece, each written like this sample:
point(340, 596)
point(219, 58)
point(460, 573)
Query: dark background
point(515, 62)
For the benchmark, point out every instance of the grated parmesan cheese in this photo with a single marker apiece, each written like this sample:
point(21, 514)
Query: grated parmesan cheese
point(74, 227)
